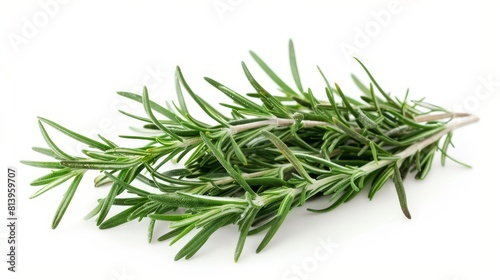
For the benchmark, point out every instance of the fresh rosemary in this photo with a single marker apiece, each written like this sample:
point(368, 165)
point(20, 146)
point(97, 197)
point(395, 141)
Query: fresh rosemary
point(272, 154)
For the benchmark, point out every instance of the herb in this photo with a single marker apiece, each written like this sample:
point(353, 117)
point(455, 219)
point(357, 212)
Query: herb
point(251, 168)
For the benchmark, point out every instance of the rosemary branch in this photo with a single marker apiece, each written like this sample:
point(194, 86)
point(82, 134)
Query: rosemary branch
point(413, 149)
point(272, 154)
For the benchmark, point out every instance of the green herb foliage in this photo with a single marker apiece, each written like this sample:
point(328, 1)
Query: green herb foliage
point(250, 169)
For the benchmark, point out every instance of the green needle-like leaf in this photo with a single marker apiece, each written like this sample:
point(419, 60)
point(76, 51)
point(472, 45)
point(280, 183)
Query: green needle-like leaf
point(76, 136)
point(183, 233)
point(48, 178)
point(51, 144)
point(54, 183)
point(102, 165)
point(386, 96)
point(154, 106)
point(180, 96)
point(398, 182)
point(380, 181)
point(272, 103)
point(246, 222)
point(280, 218)
point(147, 107)
point(199, 239)
point(293, 66)
point(282, 147)
point(286, 89)
point(45, 151)
point(239, 99)
point(211, 111)
point(238, 152)
point(68, 196)
point(112, 194)
point(126, 186)
point(446, 144)
point(185, 200)
point(119, 218)
point(43, 164)
point(232, 172)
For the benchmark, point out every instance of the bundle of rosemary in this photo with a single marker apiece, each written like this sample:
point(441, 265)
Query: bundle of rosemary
point(272, 154)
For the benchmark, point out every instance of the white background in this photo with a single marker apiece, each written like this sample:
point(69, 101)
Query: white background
point(65, 62)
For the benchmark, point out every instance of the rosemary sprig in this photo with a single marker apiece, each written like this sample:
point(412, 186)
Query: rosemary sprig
point(272, 154)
